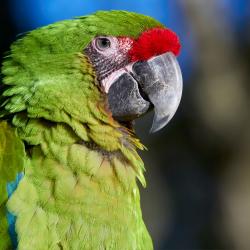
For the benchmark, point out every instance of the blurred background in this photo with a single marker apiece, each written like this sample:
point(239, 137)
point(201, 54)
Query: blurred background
point(198, 167)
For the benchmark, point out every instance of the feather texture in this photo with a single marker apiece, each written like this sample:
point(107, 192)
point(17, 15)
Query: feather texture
point(79, 189)
point(12, 162)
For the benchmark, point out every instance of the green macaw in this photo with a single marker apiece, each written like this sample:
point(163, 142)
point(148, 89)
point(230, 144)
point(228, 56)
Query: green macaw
point(68, 152)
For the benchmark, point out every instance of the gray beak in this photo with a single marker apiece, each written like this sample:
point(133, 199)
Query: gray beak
point(154, 83)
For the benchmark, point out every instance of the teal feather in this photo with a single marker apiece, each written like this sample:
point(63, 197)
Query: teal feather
point(11, 218)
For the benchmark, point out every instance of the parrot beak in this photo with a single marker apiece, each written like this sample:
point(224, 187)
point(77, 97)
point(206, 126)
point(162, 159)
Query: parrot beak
point(156, 83)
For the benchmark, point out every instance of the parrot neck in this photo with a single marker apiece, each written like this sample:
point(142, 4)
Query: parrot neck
point(86, 195)
point(57, 140)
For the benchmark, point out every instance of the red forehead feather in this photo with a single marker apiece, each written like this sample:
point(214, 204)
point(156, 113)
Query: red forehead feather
point(154, 42)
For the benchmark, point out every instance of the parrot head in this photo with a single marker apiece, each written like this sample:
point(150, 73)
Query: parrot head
point(139, 74)
point(95, 74)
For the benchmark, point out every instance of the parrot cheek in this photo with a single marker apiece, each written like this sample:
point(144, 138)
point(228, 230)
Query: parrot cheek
point(139, 86)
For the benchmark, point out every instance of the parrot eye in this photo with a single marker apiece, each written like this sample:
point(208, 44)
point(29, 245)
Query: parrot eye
point(102, 43)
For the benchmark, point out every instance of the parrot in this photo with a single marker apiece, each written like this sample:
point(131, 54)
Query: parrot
point(69, 161)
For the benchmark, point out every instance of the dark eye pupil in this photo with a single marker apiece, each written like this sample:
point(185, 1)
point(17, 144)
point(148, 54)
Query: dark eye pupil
point(105, 42)
point(102, 43)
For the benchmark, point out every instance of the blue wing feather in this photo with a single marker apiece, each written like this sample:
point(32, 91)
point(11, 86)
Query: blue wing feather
point(11, 218)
